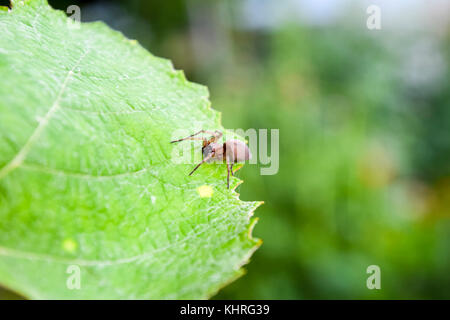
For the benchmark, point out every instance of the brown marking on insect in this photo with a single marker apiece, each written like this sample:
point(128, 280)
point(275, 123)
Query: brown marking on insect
point(231, 151)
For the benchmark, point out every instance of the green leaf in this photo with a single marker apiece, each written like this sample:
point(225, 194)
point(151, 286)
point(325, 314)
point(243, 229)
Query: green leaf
point(86, 176)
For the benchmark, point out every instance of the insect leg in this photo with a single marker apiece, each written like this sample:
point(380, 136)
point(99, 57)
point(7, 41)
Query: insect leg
point(215, 135)
point(228, 176)
point(191, 137)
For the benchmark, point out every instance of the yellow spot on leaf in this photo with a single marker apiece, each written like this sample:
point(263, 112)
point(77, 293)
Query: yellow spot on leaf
point(69, 245)
point(205, 191)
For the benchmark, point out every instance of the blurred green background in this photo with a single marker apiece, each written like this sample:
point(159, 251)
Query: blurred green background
point(364, 120)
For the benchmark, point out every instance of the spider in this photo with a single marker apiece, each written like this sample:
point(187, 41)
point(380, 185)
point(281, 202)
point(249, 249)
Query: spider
point(231, 151)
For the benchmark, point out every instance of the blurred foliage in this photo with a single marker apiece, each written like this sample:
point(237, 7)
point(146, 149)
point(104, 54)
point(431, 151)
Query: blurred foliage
point(364, 151)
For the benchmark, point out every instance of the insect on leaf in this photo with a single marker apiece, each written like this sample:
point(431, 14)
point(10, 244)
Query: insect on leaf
point(91, 205)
